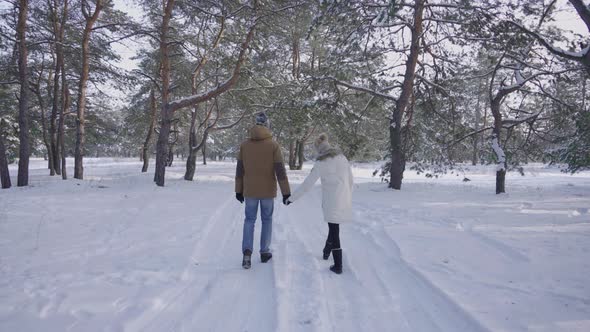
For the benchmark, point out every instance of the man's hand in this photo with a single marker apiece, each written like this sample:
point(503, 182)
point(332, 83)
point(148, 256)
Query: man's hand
point(286, 199)
point(240, 197)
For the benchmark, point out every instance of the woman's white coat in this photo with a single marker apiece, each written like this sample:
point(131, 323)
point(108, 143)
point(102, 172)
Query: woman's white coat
point(337, 184)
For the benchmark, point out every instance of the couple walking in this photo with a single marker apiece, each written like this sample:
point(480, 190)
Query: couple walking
point(260, 166)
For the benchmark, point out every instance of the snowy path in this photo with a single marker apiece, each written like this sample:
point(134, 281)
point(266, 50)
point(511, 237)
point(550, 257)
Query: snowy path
point(115, 253)
point(379, 292)
point(213, 282)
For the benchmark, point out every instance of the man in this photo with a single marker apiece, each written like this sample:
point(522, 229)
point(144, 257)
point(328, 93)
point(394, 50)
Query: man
point(260, 166)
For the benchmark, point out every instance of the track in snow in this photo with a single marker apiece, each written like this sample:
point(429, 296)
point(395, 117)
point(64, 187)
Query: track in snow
point(116, 253)
point(295, 291)
point(378, 291)
point(214, 292)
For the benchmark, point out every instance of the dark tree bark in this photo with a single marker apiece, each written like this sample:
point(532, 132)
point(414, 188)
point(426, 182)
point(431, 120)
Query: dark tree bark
point(62, 119)
point(172, 143)
point(501, 181)
point(398, 162)
point(43, 108)
point(162, 145)
point(475, 155)
point(169, 107)
point(58, 24)
point(23, 104)
point(191, 160)
point(205, 152)
point(145, 150)
point(292, 154)
point(80, 120)
point(299, 147)
point(495, 104)
point(4, 172)
point(53, 118)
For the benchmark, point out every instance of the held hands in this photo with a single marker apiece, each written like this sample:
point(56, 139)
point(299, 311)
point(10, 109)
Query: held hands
point(286, 200)
point(240, 197)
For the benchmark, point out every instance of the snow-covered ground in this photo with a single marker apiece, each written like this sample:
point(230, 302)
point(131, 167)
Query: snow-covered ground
point(116, 253)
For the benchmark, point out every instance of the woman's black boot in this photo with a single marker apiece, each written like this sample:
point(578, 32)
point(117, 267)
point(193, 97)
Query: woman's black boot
point(337, 267)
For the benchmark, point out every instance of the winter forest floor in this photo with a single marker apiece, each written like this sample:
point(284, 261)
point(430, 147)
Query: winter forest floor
point(116, 253)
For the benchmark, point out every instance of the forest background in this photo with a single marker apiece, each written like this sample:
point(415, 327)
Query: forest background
point(427, 85)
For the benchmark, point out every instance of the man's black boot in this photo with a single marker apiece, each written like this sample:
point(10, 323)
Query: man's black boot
point(265, 256)
point(247, 260)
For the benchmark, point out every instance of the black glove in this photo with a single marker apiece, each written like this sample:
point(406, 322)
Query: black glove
point(285, 199)
point(240, 197)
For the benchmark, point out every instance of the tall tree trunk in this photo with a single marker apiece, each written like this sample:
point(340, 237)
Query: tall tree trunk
point(205, 152)
point(191, 166)
point(475, 154)
point(54, 149)
point(23, 104)
point(162, 145)
point(501, 181)
point(398, 162)
point(292, 154)
point(191, 160)
point(501, 169)
point(145, 151)
point(496, 144)
point(62, 118)
point(300, 145)
point(53, 138)
point(80, 120)
point(46, 142)
point(4, 172)
point(58, 24)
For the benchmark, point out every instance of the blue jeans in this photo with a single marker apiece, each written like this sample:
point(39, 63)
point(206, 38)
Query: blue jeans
point(266, 210)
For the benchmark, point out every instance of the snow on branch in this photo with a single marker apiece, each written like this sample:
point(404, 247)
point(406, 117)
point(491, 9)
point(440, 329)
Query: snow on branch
point(521, 80)
point(376, 93)
point(576, 56)
point(507, 123)
point(583, 10)
point(515, 122)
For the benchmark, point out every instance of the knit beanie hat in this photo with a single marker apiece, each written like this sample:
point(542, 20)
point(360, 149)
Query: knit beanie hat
point(321, 144)
point(262, 119)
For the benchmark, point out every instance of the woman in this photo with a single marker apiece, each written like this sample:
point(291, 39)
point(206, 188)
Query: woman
point(333, 168)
